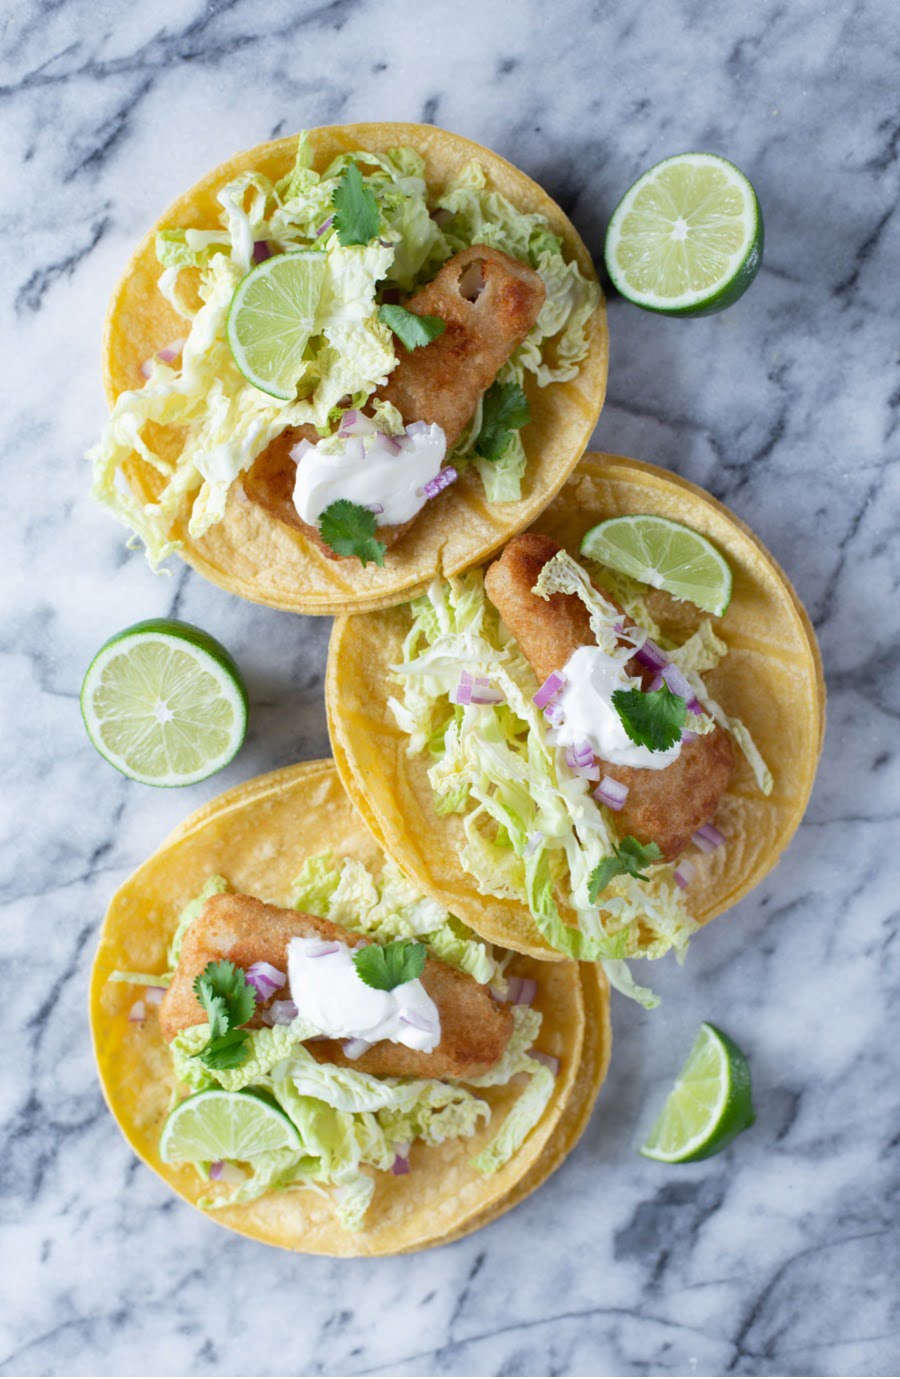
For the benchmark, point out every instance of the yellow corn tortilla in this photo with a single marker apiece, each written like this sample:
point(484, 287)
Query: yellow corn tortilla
point(253, 555)
point(257, 837)
point(771, 679)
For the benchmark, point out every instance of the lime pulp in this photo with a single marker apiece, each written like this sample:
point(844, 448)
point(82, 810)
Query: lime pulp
point(664, 554)
point(271, 318)
point(710, 1104)
point(217, 1125)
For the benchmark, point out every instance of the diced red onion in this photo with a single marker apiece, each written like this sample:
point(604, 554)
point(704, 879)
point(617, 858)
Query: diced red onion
point(261, 251)
point(138, 1012)
point(323, 950)
point(154, 994)
point(532, 843)
point(300, 449)
point(681, 686)
point(551, 687)
point(512, 990)
point(416, 1021)
point(376, 508)
point(501, 997)
point(417, 428)
point(591, 772)
point(400, 1166)
point(684, 874)
point(555, 715)
point(483, 692)
point(389, 445)
point(688, 736)
point(147, 367)
point(611, 792)
point(547, 1059)
point(443, 479)
point(354, 423)
point(708, 838)
point(355, 1048)
point(526, 992)
point(279, 1013)
point(650, 655)
point(326, 225)
point(655, 684)
point(265, 980)
point(580, 753)
point(215, 1169)
point(463, 692)
point(386, 243)
point(170, 352)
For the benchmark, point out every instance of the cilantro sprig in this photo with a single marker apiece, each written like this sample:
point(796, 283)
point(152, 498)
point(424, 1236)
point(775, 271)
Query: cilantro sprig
point(652, 718)
point(401, 960)
point(411, 330)
point(504, 410)
point(627, 860)
point(349, 529)
point(229, 1001)
point(356, 210)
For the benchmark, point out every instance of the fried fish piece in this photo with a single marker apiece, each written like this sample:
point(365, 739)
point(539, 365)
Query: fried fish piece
point(475, 1029)
point(665, 807)
point(488, 302)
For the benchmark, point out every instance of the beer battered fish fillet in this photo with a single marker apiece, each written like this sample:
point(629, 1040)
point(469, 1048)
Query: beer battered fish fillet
point(475, 1029)
point(664, 807)
point(488, 302)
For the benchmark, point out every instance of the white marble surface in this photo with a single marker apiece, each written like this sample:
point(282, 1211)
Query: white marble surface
point(780, 1256)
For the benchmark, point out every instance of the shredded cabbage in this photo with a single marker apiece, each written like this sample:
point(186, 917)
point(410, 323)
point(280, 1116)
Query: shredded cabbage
point(201, 424)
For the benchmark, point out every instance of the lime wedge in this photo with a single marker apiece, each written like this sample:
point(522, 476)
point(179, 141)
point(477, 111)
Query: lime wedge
point(687, 238)
point(664, 554)
point(164, 703)
point(709, 1105)
point(271, 317)
point(224, 1125)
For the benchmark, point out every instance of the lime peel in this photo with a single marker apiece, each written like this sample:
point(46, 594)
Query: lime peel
point(709, 1106)
point(664, 554)
point(216, 1124)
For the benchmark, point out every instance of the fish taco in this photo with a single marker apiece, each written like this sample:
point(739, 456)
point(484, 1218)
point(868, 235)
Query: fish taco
point(309, 1049)
point(344, 364)
point(575, 762)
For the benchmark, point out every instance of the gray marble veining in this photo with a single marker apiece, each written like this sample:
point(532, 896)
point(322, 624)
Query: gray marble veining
point(780, 1256)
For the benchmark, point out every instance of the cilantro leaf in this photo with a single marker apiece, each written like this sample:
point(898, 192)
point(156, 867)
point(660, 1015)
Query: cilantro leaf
point(653, 719)
point(399, 961)
point(228, 1000)
point(411, 330)
point(356, 210)
point(627, 860)
point(350, 530)
point(504, 410)
point(225, 1052)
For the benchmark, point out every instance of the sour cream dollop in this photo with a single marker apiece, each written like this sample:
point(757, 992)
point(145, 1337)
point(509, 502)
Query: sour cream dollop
point(374, 471)
point(592, 677)
point(331, 994)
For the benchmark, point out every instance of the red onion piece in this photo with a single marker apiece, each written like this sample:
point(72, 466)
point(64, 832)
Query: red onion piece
point(376, 508)
point(580, 754)
point(513, 987)
point(683, 874)
point(265, 980)
point(551, 687)
point(279, 1013)
point(526, 992)
point(138, 1013)
point(418, 428)
point(323, 950)
point(416, 1021)
point(326, 225)
point(170, 352)
point(708, 838)
point(463, 692)
point(688, 736)
point(154, 994)
point(591, 772)
point(388, 445)
point(261, 251)
point(650, 655)
point(400, 1166)
point(681, 686)
point(443, 479)
point(355, 1048)
point(554, 715)
point(655, 684)
point(547, 1059)
point(611, 792)
point(300, 449)
point(354, 423)
point(215, 1169)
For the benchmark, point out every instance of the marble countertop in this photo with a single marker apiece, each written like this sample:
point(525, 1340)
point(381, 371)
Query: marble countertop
point(780, 1256)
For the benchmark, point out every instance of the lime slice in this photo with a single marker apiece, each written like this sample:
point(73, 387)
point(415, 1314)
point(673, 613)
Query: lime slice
point(224, 1125)
point(164, 703)
point(271, 317)
point(664, 554)
point(687, 238)
point(709, 1105)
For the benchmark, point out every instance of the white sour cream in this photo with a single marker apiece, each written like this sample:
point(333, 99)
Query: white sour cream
point(363, 470)
point(592, 677)
point(331, 994)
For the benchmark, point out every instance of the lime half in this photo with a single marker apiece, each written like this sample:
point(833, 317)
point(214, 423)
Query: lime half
point(224, 1125)
point(664, 554)
point(687, 238)
point(271, 318)
point(709, 1105)
point(164, 703)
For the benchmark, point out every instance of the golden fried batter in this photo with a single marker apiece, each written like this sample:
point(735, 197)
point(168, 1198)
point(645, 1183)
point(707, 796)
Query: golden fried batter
point(665, 807)
point(475, 1029)
point(488, 302)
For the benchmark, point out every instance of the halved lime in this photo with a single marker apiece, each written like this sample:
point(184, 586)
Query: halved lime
point(164, 703)
point(224, 1125)
point(687, 238)
point(709, 1105)
point(271, 317)
point(664, 554)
